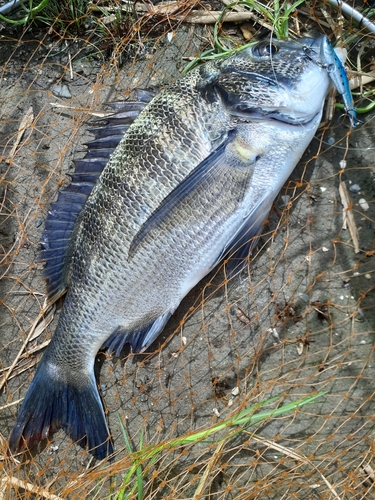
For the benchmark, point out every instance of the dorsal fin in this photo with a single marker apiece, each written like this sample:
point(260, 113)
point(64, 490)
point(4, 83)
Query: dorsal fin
point(64, 212)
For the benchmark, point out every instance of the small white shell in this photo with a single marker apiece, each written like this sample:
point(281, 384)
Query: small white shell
point(342, 163)
point(299, 348)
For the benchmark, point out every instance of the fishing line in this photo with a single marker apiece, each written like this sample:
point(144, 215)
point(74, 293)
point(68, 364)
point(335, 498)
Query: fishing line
point(344, 147)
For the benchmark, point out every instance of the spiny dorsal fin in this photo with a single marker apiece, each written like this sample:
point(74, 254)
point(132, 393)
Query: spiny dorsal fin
point(64, 212)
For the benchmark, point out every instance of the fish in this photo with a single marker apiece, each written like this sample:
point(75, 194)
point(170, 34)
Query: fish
point(171, 184)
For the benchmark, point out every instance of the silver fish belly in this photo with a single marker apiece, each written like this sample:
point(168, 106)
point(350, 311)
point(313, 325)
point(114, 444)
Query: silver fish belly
point(192, 180)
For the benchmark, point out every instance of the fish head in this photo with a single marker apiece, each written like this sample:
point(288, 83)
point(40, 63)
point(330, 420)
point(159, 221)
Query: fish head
point(273, 79)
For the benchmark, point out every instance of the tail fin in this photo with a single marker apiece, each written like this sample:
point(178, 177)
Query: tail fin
point(50, 404)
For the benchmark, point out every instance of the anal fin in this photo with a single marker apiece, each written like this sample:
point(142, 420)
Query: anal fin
point(139, 338)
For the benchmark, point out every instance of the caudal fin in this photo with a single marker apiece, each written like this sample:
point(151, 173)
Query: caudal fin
point(50, 405)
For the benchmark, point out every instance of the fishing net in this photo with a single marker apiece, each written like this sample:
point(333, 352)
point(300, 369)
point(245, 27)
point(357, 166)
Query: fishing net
point(297, 322)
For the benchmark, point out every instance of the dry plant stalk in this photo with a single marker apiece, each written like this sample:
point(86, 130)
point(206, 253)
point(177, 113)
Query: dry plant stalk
point(348, 215)
point(295, 456)
point(26, 121)
point(25, 486)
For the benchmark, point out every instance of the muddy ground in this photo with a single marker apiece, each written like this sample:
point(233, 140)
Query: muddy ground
point(300, 317)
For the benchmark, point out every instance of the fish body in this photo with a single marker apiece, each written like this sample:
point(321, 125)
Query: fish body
point(192, 180)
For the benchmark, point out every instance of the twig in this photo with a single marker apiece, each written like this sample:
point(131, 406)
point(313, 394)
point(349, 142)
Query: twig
point(211, 16)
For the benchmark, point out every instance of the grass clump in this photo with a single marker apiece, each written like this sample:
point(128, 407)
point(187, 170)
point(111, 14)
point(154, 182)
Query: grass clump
point(277, 16)
point(71, 17)
point(147, 456)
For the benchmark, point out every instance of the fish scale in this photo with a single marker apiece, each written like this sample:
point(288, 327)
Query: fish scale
point(189, 181)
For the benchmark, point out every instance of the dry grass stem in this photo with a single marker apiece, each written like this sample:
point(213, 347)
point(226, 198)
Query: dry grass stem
point(205, 477)
point(99, 114)
point(348, 217)
point(369, 471)
point(30, 335)
point(296, 456)
point(359, 79)
point(25, 486)
point(25, 123)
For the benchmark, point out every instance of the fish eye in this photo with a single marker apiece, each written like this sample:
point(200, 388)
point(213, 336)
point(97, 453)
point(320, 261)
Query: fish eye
point(266, 49)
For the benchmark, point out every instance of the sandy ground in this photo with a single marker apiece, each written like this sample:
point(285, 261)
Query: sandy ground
point(299, 318)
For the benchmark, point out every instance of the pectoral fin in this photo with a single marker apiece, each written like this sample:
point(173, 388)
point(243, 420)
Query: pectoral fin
point(204, 173)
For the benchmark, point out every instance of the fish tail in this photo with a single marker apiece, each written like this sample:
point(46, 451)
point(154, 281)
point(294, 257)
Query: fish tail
point(51, 404)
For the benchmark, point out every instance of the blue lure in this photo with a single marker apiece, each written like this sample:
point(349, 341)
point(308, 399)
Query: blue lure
point(337, 74)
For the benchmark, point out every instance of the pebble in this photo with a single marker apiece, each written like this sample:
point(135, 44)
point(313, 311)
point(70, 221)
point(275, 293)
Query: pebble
point(235, 391)
point(323, 189)
point(325, 249)
point(363, 204)
point(52, 449)
point(62, 91)
point(368, 276)
point(284, 200)
point(354, 188)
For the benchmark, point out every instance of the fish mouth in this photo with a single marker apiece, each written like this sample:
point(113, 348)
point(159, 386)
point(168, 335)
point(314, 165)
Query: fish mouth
point(255, 114)
point(285, 109)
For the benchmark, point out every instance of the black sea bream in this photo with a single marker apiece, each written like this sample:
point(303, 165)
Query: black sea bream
point(191, 180)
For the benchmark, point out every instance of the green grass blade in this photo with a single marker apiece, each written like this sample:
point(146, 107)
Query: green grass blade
point(244, 419)
point(135, 469)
